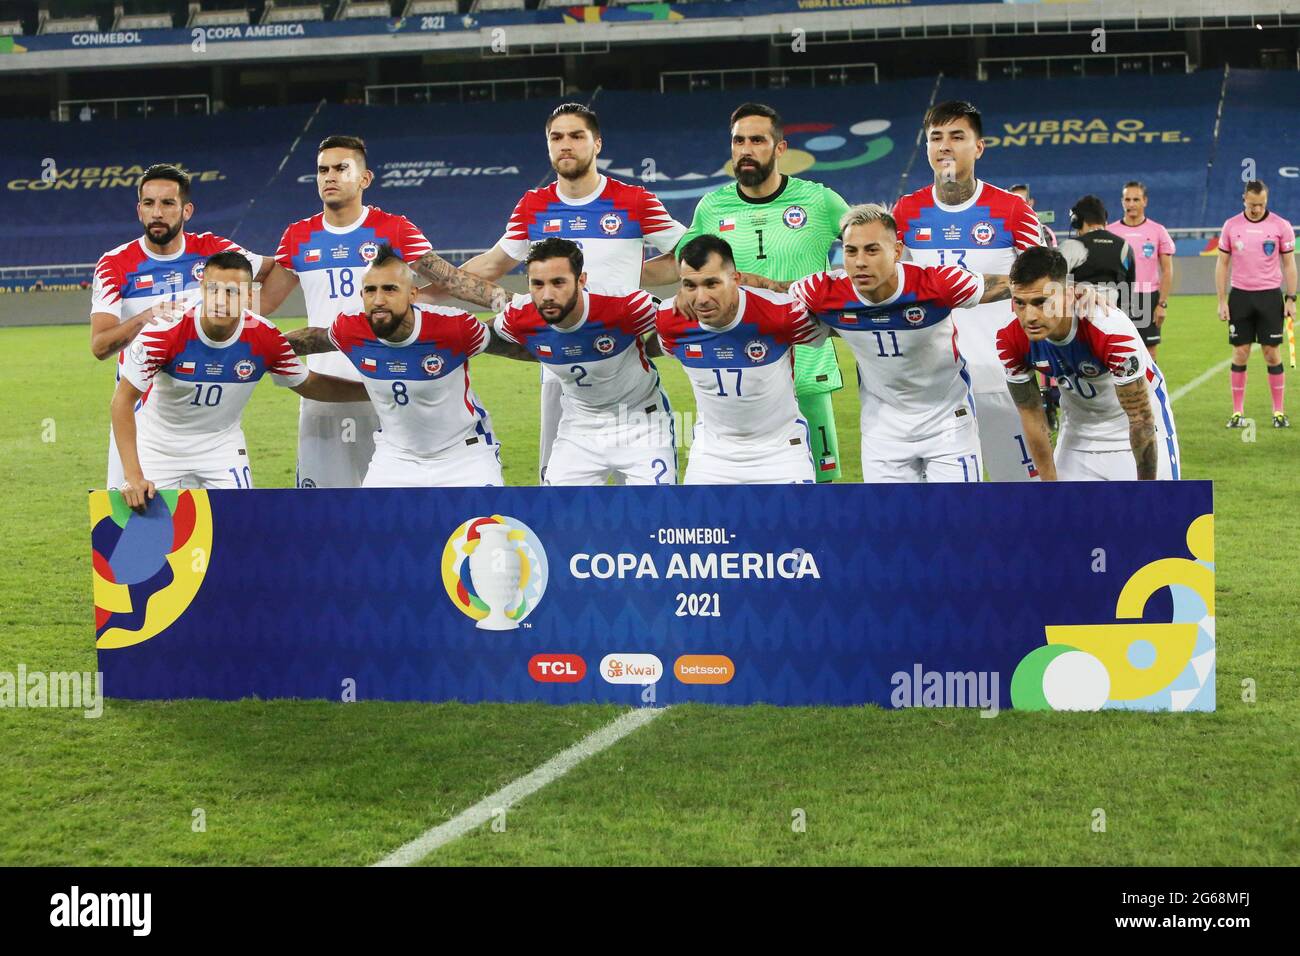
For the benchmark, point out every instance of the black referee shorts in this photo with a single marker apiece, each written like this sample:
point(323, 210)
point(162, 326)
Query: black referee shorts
point(1255, 317)
point(1142, 310)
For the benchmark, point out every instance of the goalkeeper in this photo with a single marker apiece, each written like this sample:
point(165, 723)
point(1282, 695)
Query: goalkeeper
point(782, 228)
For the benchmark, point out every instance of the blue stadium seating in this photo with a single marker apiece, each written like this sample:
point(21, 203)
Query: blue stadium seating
point(457, 169)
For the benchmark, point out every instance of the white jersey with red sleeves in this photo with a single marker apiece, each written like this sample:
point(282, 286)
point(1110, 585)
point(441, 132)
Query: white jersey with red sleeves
point(196, 388)
point(912, 376)
point(743, 375)
point(1100, 352)
point(984, 234)
point(612, 225)
point(330, 261)
point(601, 361)
point(130, 278)
point(420, 386)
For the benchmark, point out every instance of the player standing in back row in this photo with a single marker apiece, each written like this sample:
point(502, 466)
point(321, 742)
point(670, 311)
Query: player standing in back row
point(961, 221)
point(782, 228)
point(327, 254)
point(612, 222)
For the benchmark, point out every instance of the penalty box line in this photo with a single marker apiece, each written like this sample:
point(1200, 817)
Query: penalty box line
point(483, 811)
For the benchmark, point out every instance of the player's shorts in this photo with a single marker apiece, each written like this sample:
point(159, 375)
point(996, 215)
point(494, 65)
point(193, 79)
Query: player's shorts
point(1255, 317)
point(1142, 310)
point(551, 410)
point(473, 463)
point(785, 460)
point(951, 455)
point(1074, 464)
point(223, 469)
point(1003, 450)
point(639, 445)
point(336, 441)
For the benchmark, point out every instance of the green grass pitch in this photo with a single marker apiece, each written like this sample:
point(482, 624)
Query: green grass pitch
point(299, 782)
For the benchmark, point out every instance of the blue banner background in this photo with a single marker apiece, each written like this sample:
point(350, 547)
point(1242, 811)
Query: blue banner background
point(304, 590)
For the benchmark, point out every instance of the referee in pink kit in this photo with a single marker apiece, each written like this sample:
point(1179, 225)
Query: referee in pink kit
point(1153, 260)
point(1260, 245)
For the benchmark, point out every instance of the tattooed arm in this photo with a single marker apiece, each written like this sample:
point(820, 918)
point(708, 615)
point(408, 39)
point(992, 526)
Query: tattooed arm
point(461, 284)
point(310, 340)
point(507, 349)
point(996, 288)
point(762, 282)
point(1136, 402)
point(1034, 422)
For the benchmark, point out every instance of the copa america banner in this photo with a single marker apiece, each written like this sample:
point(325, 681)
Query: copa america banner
point(1055, 596)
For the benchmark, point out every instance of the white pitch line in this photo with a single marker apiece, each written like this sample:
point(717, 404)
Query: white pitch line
point(512, 793)
point(1201, 379)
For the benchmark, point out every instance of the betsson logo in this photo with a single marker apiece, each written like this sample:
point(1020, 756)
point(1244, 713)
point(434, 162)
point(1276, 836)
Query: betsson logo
point(704, 669)
point(557, 668)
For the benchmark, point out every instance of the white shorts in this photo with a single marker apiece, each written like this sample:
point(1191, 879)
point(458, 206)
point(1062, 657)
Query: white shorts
point(949, 456)
point(550, 420)
point(1073, 464)
point(1003, 450)
point(336, 441)
point(638, 446)
point(224, 469)
point(463, 466)
point(786, 460)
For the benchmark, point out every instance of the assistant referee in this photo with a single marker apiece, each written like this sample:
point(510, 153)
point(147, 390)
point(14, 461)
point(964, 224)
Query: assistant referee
point(1258, 246)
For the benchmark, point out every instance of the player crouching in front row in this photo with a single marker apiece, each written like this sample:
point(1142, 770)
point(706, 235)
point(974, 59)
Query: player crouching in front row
point(193, 374)
point(736, 345)
point(1116, 423)
point(414, 363)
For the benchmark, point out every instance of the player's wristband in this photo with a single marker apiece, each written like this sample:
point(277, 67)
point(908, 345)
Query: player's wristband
point(1289, 298)
point(1162, 305)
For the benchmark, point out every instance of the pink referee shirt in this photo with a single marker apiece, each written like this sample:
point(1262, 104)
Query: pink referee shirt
point(1149, 241)
point(1257, 249)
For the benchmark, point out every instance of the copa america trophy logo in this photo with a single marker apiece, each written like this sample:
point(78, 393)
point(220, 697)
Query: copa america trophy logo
point(494, 570)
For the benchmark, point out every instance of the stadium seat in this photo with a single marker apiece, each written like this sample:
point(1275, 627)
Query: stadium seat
point(363, 9)
point(216, 18)
point(486, 6)
point(11, 28)
point(140, 21)
point(48, 24)
point(415, 8)
point(292, 14)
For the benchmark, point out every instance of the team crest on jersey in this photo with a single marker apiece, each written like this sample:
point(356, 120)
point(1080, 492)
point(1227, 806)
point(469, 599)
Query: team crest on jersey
point(368, 250)
point(432, 364)
point(914, 315)
point(1269, 246)
point(1148, 250)
point(244, 368)
point(604, 344)
point(610, 223)
point(196, 270)
point(578, 224)
point(1089, 369)
point(795, 217)
point(982, 232)
point(756, 350)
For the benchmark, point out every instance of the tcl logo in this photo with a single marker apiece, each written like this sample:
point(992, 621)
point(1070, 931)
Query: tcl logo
point(557, 668)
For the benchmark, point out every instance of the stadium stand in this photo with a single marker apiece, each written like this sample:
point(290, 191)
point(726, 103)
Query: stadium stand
point(457, 168)
point(225, 16)
point(160, 20)
point(292, 13)
point(353, 10)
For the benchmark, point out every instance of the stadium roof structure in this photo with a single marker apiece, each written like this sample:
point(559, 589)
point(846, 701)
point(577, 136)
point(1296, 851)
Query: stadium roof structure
point(576, 28)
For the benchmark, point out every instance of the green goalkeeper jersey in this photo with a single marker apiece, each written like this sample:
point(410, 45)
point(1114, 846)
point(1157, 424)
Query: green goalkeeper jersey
point(784, 237)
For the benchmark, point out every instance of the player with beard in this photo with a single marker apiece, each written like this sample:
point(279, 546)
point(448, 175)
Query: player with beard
point(327, 254)
point(611, 221)
point(140, 279)
point(780, 227)
point(616, 418)
point(414, 362)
